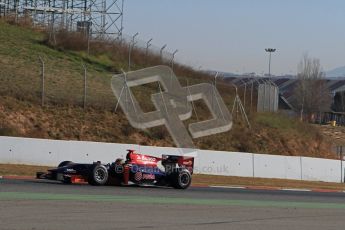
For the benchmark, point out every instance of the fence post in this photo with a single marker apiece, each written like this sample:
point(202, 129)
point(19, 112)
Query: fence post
point(148, 44)
point(85, 80)
point(129, 56)
point(131, 47)
point(43, 86)
point(244, 95)
point(251, 98)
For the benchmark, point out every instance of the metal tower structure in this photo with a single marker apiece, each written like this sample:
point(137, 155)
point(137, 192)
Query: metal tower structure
point(99, 18)
point(5, 5)
point(2, 8)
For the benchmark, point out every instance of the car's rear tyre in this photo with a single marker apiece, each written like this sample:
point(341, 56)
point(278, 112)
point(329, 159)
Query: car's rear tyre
point(64, 163)
point(181, 179)
point(98, 175)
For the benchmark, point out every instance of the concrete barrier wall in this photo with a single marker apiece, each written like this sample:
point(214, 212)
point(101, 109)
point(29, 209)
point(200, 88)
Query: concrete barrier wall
point(224, 163)
point(280, 167)
point(50, 152)
point(314, 169)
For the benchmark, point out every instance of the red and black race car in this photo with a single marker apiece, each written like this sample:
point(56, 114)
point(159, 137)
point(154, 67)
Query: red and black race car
point(169, 170)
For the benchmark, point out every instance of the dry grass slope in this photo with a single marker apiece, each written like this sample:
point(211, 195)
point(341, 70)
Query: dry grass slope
point(64, 118)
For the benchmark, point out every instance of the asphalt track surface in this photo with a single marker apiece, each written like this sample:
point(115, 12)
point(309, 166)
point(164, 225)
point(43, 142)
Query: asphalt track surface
point(35, 205)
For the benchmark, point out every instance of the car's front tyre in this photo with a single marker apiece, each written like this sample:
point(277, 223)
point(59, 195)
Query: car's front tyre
point(98, 175)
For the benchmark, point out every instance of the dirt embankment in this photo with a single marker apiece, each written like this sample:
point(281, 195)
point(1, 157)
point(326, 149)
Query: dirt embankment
point(336, 134)
point(20, 118)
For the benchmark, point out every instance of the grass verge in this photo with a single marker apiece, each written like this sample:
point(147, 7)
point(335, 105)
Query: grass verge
point(20, 170)
point(264, 182)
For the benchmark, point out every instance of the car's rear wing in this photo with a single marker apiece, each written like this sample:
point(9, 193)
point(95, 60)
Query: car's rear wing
point(181, 161)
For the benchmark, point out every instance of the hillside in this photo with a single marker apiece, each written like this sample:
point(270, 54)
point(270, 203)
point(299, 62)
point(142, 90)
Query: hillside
point(336, 73)
point(63, 116)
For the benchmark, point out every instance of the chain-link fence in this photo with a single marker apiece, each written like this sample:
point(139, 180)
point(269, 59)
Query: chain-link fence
point(263, 91)
point(49, 81)
point(58, 80)
point(47, 76)
point(147, 47)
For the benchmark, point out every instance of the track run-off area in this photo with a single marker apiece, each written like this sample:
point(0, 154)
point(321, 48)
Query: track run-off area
point(33, 204)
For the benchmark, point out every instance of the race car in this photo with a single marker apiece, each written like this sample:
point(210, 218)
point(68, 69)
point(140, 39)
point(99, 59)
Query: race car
point(169, 170)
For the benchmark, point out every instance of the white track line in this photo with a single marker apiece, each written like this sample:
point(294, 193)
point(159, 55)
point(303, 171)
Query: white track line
point(231, 187)
point(296, 189)
point(283, 189)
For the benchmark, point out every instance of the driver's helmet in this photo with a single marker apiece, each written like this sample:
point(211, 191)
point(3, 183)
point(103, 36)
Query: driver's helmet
point(119, 161)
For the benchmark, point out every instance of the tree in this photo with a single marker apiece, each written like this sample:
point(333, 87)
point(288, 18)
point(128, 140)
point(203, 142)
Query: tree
point(311, 93)
point(339, 102)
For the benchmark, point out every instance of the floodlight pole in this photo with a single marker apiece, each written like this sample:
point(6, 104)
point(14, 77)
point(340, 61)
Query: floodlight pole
point(270, 51)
